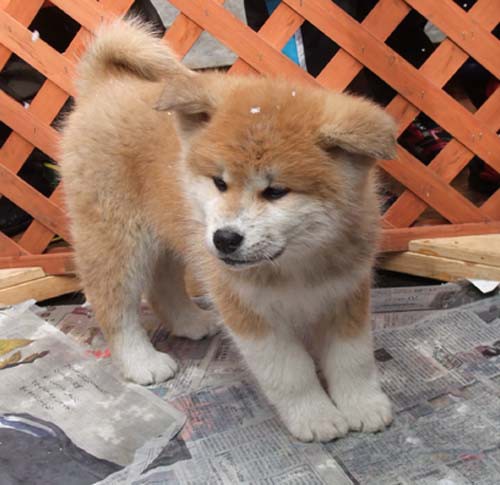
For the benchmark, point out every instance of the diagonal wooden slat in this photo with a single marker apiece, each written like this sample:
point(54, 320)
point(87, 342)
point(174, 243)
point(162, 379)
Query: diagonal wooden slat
point(240, 38)
point(403, 77)
point(431, 188)
point(89, 14)
point(183, 33)
point(385, 16)
point(439, 67)
point(47, 103)
point(277, 30)
point(8, 247)
point(40, 55)
point(492, 205)
point(461, 29)
point(33, 202)
point(24, 12)
point(38, 236)
point(447, 164)
point(28, 126)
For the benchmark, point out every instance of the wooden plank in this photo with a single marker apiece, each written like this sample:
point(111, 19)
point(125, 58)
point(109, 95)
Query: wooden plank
point(57, 263)
point(483, 249)
point(37, 53)
point(398, 73)
point(459, 27)
point(33, 202)
point(15, 276)
point(430, 188)
point(438, 268)
point(394, 240)
point(240, 38)
point(28, 126)
point(40, 289)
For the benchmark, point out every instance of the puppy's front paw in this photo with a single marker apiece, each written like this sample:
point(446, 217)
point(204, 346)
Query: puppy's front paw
point(145, 365)
point(197, 324)
point(368, 411)
point(314, 418)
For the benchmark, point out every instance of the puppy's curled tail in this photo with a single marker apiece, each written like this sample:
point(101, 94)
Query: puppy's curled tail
point(127, 46)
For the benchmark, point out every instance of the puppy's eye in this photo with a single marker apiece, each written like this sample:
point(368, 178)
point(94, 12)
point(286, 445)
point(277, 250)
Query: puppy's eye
point(220, 184)
point(273, 193)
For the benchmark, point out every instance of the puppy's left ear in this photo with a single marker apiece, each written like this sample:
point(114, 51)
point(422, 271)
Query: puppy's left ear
point(190, 102)
point(358, 126)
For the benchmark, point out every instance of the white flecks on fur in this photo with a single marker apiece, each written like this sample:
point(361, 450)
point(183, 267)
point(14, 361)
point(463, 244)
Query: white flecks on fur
point(294, 93)
point(287, 375)
point(349, 367)
point(35, 35)
point(26, 105)
point(255, 110)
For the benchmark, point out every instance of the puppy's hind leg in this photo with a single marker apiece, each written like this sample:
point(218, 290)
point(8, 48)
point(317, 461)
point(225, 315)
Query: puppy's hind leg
point(113, 267)
point(168, 297)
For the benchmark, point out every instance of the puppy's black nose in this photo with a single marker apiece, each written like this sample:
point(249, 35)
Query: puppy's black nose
point(227, 241)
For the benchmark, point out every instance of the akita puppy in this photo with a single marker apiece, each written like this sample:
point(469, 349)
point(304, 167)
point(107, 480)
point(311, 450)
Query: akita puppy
point(265, 188)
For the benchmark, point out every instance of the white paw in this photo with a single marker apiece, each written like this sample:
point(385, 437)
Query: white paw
point(314, 418)
point(145, 365)
point(197, 324)
point(368, 412)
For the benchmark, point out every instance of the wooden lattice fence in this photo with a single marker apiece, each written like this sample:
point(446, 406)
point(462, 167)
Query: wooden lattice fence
point(362, 45)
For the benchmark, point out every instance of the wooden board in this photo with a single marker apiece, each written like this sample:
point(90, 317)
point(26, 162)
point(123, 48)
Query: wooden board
point(39, 289)
point(443, 269)
point(475, 249)
point(15, 276)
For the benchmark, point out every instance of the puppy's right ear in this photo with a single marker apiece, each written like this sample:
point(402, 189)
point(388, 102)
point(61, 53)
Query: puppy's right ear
point(189, 101)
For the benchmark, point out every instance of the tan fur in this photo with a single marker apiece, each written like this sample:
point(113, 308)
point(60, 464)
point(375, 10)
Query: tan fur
point(141, 117)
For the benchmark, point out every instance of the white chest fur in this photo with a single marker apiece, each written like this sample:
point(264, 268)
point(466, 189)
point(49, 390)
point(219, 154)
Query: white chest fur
point(295, 303)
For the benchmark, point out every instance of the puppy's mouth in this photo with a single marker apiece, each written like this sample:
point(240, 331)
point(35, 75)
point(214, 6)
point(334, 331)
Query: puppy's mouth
point(240, 263)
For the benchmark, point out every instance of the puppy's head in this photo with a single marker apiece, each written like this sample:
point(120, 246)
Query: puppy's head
point(275, 171)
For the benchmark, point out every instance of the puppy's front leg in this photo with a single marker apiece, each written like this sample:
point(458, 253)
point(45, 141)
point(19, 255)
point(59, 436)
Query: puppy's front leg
point(348, 364)
point(287, 375)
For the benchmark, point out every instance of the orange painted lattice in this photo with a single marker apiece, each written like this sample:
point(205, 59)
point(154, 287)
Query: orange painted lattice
point(468, 34)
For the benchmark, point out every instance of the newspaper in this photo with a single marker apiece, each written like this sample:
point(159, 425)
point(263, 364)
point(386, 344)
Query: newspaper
point(442, 371)
point(438, 351)
point(193, 358)
point(50, 386)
